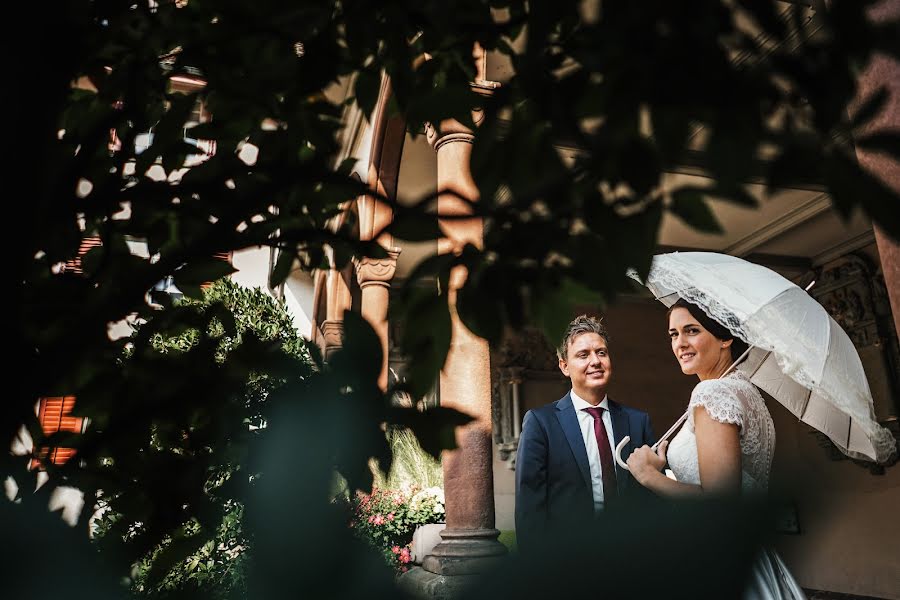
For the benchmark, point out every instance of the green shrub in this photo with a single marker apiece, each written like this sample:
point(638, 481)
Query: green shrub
point(225, 316)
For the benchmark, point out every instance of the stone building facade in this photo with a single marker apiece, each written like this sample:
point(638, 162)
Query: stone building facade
point(858, 271)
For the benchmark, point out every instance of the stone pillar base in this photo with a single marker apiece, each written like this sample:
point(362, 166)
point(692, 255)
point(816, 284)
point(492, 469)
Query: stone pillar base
point(455, 564)
point(465, 552)
point(424, 585)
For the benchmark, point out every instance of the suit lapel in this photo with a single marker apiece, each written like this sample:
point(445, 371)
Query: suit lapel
point(569, 422)
point(621, 428)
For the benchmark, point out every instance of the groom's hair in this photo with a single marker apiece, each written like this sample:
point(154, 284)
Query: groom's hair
point(581, 324)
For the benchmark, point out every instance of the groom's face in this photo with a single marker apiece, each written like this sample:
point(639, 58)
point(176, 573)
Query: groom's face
point(587, 364)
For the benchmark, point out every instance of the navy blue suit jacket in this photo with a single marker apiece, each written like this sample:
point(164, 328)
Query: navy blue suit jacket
point(553, 477)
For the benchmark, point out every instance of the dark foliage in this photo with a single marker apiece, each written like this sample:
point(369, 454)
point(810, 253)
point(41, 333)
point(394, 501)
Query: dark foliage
point(630, 90)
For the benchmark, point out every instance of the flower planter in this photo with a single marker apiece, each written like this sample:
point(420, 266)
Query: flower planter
point(425, 538)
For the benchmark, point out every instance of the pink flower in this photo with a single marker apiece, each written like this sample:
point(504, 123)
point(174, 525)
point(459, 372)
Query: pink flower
point(378, 520)
point(396, 549)
point(404, 555)
point(390, 516)
point(372, 518)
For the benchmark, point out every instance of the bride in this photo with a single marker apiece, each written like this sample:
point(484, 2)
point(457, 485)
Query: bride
point(727, 444)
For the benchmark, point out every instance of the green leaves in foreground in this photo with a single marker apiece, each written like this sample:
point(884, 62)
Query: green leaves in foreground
point(689, 204)
point(196, 415)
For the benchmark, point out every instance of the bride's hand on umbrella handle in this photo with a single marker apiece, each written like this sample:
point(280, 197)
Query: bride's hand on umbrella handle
point(644, 460)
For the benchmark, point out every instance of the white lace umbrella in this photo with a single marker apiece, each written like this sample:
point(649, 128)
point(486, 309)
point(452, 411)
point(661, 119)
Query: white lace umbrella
point(799, 354)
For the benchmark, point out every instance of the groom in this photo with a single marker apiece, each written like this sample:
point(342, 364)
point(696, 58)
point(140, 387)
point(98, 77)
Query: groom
point(565, 470)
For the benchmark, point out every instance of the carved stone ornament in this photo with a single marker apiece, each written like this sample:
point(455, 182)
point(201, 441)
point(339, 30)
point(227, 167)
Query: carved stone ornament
point(507, 412)
point(377, 271)
point(522, 356)
point(448, 132)
point(857, 300)
point(844, 288)
point(526, 349)
point(333, 334)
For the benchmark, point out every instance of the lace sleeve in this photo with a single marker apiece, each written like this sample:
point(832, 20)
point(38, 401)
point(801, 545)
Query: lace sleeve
point(720, 400)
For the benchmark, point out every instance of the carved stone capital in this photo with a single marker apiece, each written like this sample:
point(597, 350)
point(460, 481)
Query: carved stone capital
point(333, 334)
point(377, 271)
point(527, 349)
point(523, 355)
point(510, 375)
point(448, 131)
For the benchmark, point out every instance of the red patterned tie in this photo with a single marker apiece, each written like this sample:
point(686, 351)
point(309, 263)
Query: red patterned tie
point(606, 459)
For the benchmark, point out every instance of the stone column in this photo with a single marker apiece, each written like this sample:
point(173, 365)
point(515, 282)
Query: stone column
point(470, 540)
point(374, 276)
point(469, 544)
point(333, 335)
point(337, 301)
point(889, 251)
point(884, 72)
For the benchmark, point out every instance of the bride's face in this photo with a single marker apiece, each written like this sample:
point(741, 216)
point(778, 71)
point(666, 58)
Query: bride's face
point(698, 351)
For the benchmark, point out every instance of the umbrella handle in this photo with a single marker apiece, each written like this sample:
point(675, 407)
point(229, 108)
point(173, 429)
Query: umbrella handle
point(655, 446)
point(621, 445)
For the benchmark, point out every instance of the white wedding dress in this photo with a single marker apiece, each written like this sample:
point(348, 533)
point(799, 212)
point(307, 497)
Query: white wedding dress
point(733, 399)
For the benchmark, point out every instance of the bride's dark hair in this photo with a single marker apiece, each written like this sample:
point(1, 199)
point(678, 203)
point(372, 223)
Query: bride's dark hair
point(719, 331)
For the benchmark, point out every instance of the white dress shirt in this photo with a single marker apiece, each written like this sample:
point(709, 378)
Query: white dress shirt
point(586, 422)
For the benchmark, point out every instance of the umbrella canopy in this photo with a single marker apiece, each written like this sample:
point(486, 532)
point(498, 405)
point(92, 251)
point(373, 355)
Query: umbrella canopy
point(800, 355)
